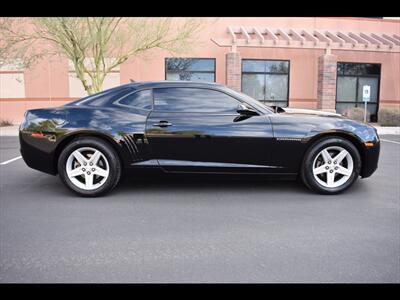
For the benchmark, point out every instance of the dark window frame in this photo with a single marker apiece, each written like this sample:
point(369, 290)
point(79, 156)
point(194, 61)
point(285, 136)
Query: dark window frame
point(198, 58)
point(378, 76)
point(268, 73)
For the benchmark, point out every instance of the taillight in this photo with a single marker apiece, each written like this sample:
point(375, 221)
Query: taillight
point(37, 134)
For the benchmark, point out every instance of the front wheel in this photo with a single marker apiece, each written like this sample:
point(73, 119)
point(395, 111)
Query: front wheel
point(331, 166)
point(89, 166)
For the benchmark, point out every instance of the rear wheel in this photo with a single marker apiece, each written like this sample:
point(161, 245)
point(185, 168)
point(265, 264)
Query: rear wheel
point(331, 166)
point(89, 166)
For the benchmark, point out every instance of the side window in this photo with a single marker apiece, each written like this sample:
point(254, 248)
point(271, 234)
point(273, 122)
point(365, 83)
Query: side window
point(194, 100)
point(142, 99)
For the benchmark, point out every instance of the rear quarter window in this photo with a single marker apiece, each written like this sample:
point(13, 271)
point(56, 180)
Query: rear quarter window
point(140, 99)
point(105, 98)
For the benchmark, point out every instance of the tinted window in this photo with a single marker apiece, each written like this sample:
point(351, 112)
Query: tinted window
point(192, 69)
point(104, 98)
point(277, 87)
point(265, 66)
point(253, 66)
point(142, 99)
point(358, 69)
point(194, 100)
point(254, 85)
point(191, 76)
point(190, 64)
point(346, 89)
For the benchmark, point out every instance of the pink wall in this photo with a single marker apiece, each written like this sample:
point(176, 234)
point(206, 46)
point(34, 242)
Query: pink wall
point(47, 83)
point(47, 79)
point(12, 109)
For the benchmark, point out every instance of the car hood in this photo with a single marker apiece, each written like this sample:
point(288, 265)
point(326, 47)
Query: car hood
point(288, 110)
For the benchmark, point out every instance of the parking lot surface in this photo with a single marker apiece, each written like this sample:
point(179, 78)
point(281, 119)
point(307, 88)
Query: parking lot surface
point(199, 229)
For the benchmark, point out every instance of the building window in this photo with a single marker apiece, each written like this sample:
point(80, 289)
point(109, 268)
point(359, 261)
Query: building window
point(192, 69)
point(76, 89)
point(266, 80)
point(12, 83)
point(351, 77)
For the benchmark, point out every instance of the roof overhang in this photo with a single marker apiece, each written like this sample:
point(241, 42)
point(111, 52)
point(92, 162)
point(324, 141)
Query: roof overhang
point(245, 36)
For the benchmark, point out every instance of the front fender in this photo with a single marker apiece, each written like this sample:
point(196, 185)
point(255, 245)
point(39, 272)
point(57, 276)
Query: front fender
point(294, 134)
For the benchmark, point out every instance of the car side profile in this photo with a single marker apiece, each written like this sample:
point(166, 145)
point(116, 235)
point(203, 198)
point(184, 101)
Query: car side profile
point(193, 127)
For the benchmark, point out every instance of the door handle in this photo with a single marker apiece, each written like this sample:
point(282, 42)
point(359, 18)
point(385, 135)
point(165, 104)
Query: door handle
point(163, 124)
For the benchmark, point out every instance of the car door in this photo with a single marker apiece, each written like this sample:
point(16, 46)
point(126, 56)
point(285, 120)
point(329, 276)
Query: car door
point(200, 130)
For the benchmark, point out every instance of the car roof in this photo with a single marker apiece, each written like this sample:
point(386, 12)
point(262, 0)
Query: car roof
point(138, 85)
point(170, 83)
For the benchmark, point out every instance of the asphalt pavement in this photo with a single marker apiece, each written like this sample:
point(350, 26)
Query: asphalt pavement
point(203, 229)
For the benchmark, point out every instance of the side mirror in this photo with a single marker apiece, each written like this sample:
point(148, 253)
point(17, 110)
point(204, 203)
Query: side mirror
point(245, 110)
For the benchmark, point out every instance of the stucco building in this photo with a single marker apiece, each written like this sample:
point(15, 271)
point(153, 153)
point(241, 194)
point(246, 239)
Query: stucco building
point(317, 63)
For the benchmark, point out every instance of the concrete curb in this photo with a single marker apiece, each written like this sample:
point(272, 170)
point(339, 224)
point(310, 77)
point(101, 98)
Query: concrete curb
point(13, 130)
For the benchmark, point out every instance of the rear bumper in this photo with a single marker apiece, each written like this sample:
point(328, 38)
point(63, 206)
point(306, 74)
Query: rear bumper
point(371, 158)
point(34, 154)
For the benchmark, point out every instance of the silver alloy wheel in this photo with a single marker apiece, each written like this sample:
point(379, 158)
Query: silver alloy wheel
point(87, 168)
point(333, 166)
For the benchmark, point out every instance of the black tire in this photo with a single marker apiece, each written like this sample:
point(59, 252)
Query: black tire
point(306, 171)
point(111, 156)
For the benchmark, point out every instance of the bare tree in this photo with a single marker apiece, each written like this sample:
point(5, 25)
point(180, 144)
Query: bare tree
point(95, 45)
point(15, 44)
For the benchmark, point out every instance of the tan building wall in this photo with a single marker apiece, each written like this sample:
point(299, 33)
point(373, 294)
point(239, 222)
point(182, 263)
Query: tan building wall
point(48, 83)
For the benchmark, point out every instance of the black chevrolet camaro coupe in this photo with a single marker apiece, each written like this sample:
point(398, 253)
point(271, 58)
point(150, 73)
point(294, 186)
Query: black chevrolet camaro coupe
point(193, 127)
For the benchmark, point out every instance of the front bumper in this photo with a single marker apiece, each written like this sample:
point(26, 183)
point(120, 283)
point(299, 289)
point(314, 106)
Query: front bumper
point(370, 161)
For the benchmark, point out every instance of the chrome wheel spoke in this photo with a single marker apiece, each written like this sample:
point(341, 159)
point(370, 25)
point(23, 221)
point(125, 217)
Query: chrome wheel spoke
point(79, 157)
point(75, 172)
point(343, 171)
point(326, 156)
point(330, 178)
point(95, 157)
point(319, 170)
point(100, 172)
point(89, 181)
point(338, 158)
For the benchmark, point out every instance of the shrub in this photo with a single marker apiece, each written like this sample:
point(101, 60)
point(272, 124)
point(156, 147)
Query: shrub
point(6, 123)
point(389, 117)
point(355, 113)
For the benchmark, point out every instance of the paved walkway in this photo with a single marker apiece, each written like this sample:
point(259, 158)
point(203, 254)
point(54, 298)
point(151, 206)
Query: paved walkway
point(387, 130)
point(198, 229)
point(13, 130)
point(9, 130)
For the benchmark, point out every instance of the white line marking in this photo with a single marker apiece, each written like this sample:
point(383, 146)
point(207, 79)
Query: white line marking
point(10, 160)
point(394, 142)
